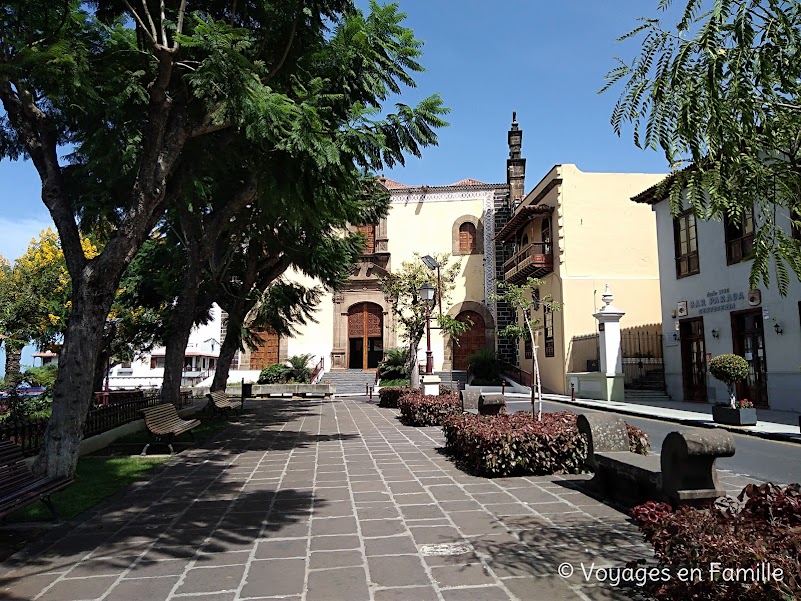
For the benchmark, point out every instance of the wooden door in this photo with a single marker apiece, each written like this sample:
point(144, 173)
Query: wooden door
point(748, 338)
point(693, 359)
point(365, 335)
point(471, 341)
point(266, 352)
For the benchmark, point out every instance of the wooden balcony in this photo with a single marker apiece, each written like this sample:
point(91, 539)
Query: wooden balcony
point(534, 260)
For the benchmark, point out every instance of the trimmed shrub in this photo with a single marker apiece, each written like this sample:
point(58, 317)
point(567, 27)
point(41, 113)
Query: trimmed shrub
point(638, 440)
point(299, 370)
point(766, 530)
point(519, 444)
point(390, 395)
point(728, 368)
point(419, 410)
point(274, 374)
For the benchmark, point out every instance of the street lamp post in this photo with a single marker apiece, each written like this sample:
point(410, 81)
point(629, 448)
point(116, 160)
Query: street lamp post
point(432, 263)
point(427, 295)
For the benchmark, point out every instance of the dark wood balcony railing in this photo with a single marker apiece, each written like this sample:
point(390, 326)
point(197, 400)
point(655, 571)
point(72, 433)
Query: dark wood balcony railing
point(533, 260)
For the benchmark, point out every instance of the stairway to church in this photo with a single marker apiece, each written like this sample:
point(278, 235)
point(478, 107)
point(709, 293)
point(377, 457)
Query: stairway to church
point(352, 381)
point(349, 381)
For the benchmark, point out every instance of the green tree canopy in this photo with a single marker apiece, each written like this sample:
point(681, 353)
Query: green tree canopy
point(145, 92)
point(718, 91)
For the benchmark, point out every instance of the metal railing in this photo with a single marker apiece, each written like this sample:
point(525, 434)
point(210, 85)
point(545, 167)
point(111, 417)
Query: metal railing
point(317, 372)
point(29, 433)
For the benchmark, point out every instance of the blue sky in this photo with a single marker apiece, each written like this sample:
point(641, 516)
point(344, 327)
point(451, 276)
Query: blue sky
point(545, 60)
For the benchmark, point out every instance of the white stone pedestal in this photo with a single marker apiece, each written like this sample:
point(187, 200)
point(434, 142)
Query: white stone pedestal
point(611, 353)
point(431, 385)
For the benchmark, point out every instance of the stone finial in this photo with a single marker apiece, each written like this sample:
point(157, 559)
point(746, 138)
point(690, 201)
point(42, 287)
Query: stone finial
point(514, 117)
point(607, 297)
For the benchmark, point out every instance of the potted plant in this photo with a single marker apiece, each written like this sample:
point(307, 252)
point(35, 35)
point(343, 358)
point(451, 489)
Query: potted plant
point(731, 369)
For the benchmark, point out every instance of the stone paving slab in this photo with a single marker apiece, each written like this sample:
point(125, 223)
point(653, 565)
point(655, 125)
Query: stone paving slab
point(330, 500)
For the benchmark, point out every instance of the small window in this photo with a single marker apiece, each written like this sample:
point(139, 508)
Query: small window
point(535, 299)
point(740, 238)
point(529, 348)
point(549, 346)
point(152, 363)
point(467, 239)
point(369, 233)
point(685, 237)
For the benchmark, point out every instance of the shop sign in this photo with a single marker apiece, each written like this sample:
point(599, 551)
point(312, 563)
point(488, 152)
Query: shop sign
point(717, 300)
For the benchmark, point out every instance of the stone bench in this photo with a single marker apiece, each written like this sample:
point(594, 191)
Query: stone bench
point(469, 400)
point(685, 471)
point(491, 404)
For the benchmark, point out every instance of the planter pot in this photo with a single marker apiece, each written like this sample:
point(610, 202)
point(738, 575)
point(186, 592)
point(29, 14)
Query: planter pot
point(734, 417)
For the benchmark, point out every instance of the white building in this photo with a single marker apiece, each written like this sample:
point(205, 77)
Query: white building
point(708, 310)
point(200, 359)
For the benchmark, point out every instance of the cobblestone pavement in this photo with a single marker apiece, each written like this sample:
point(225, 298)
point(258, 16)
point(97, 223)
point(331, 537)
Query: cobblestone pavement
point(334, 500)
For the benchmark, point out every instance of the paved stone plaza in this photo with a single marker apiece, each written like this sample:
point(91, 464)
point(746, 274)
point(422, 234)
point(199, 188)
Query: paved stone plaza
point(330, 500)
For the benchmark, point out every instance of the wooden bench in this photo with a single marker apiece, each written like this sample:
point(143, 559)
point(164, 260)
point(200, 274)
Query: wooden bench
point(19, 487)
point(220, 403)
point(685, 472)
point(164, 423)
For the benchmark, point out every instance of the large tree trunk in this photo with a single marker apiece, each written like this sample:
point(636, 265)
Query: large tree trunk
point(181, 323)
point(13, 358)
point(227, 353)
point(72, 394)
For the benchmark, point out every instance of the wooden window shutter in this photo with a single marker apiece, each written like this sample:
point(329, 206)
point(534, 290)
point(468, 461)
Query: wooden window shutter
point(467, 238)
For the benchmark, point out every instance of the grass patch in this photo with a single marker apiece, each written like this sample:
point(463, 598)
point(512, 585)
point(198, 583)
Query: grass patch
point(95, 479)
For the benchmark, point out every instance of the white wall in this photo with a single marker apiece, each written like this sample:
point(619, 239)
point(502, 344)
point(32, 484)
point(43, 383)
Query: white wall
point(783, 352)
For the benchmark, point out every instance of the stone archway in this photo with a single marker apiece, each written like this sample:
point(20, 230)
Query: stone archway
point(484, 325)
point(365, 335)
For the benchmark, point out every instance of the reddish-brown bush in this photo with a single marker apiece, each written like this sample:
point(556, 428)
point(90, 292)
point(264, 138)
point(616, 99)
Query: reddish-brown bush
point(419, 410)
point(519, 444)
point(736, 550)
point(389, 396)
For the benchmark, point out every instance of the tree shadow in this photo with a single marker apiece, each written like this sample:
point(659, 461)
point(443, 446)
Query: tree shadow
point(210, 503)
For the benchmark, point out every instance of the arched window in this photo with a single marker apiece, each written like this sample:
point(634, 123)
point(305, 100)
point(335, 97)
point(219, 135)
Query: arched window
point(467, 239)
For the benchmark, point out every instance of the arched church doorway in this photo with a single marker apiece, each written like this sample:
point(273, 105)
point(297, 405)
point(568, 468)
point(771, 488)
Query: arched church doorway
point(365, 336)
point(471, 341)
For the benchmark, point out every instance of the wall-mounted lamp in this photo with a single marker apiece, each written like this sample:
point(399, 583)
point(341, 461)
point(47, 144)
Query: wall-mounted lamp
point(778, 328)
point(715, 333)
point(675, 337)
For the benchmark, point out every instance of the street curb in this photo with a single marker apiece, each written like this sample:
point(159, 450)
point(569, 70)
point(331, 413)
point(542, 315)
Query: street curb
point(794, 438)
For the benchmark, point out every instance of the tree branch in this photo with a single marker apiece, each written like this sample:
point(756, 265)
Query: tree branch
point(286, 48)
point(181, 12)
point(141, 23)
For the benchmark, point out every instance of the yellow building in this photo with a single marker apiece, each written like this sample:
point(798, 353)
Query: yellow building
point(578, 232)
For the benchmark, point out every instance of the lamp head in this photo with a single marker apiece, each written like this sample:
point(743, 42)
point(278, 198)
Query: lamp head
point(430, 262)
point(426, 292)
